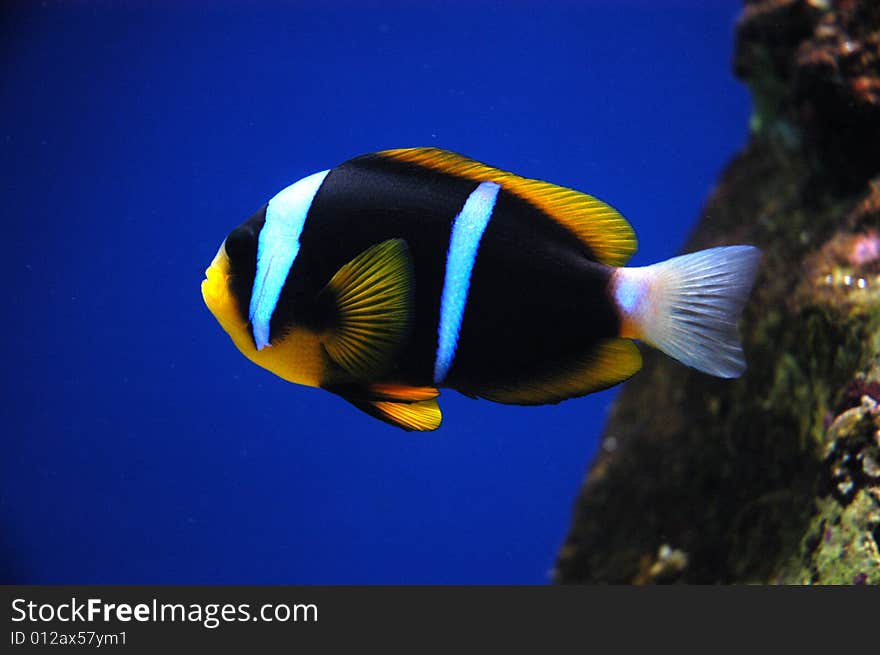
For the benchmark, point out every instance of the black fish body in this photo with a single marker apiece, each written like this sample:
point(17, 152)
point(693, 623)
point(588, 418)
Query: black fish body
point(398, 273)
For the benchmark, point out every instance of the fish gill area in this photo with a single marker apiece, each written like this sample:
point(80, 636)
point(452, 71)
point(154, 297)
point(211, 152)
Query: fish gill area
point(774, 477)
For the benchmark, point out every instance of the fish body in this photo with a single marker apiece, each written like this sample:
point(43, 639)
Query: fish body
point(402, 272)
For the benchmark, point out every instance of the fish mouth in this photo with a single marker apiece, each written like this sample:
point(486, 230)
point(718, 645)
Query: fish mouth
point(216, 276)
point(209, 289)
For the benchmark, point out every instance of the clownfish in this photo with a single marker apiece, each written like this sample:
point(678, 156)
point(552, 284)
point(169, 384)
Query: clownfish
point(398, 273)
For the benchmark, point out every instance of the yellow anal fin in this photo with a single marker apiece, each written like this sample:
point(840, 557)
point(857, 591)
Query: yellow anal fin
point(611, 362)
point(421, 415)
point(608, 235)
point(372, 295)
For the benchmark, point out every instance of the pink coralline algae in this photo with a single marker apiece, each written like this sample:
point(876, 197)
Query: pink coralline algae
point(865, 248)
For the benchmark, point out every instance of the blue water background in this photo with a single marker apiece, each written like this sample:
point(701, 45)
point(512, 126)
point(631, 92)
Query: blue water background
point(138, 446)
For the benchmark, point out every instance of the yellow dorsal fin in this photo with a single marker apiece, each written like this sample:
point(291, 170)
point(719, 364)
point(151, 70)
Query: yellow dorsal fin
point(611, 362)
point(372, 295)
point(597, 224)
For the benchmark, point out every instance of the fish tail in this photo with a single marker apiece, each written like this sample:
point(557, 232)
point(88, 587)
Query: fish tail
point(688, 306)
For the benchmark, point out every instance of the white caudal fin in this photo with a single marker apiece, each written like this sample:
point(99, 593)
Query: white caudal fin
point(688, 306)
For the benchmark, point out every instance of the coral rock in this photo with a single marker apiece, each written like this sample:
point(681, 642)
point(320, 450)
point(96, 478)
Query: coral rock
point(773, 477)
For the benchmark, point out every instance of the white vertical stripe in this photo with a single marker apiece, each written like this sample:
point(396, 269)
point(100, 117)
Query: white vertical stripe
point(467, 230)
point(277, 248)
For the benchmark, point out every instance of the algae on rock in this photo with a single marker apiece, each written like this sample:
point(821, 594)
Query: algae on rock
point(774, 477)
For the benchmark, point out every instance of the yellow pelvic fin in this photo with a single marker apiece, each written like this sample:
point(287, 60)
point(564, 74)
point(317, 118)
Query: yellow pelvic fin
point(612, 362)
point(373, 298)
point(421, 416)
point(409, 408)
point(608, 235)
point(402, 393)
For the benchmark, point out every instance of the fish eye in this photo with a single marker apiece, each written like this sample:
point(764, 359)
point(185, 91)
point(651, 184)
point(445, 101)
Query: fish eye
point(240, 244)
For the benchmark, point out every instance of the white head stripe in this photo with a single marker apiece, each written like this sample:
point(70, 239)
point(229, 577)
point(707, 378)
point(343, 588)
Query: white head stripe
point(277, 248)
point(467, 230)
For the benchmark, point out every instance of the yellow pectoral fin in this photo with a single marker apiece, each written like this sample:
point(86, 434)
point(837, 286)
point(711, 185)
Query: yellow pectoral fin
point(372, 297)
point(598, 225)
